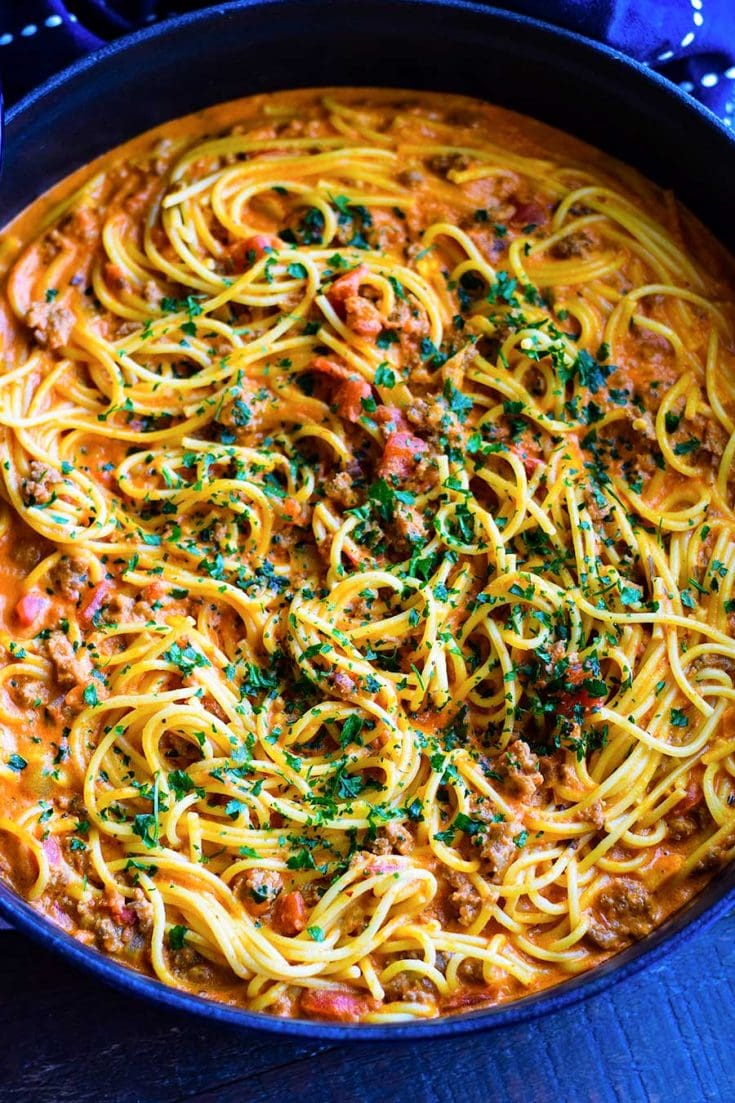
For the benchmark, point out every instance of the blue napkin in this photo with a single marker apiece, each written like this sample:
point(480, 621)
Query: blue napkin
point(691, 42)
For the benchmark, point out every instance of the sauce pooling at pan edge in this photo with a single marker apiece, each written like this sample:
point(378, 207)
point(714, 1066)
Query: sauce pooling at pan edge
point(367, 554)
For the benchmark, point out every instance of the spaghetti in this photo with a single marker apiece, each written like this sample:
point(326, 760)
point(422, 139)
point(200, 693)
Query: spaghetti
point(368, 556)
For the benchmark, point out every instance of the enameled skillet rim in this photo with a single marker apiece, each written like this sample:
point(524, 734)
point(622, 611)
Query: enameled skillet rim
point(705, 166)
point(716, 899)
point(704, 910)
point(160, 30)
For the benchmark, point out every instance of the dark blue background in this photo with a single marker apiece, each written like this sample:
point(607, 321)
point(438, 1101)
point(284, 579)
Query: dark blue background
point(664, 1036)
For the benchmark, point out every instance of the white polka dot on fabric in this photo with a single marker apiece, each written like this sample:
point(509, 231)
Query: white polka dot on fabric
point(5, 39)
point(53, 21)
point(698, 19)
point(709, 80)
point(686, 86)
point(730, 73)
point(665, 55)
point(696, 4)
point(687, 39)
point(29, 30)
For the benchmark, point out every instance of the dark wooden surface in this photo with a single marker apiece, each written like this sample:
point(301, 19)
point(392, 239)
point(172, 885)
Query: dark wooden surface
point(664, 1036)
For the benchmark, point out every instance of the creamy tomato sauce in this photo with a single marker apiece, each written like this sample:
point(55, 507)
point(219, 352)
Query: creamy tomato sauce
point(366, 555)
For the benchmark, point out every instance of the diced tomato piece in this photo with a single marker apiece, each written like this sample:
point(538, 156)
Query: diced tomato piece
point(351, 390)
point(336, 1004)
point(571, 697)
point(289, 913)
point(358, 312)
point(391, 416)
point(291, 510)
point(693, 796)
point(346, 286)
point(244, 254)
point(31, 607)
point(401, 452)
point(362, 316)
point(568, 701)
point(349, 396)
point(529, 214)
point(526, 456)
point(327, 366)
point(261, 244)
point(94, 602)
point(154, 591)
point(666, 865)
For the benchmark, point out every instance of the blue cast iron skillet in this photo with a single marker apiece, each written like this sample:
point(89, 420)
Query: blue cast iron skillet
point(445, 45)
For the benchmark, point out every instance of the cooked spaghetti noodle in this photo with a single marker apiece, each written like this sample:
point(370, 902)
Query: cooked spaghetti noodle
point(368, 556)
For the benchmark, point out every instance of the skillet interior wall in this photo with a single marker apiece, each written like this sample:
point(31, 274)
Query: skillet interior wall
point(231, 51)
